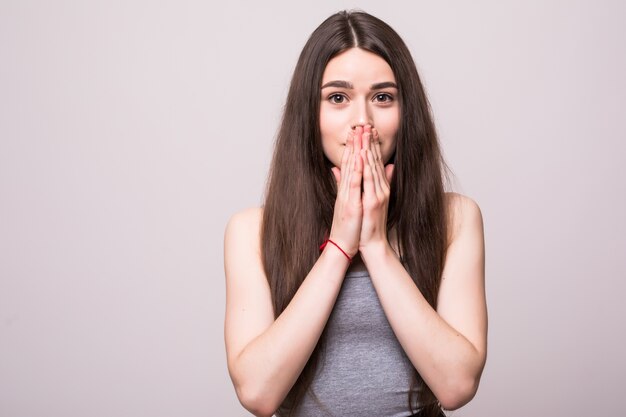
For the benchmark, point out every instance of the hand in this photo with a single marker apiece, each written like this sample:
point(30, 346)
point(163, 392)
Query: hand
point(376, 191)
point(348, 214)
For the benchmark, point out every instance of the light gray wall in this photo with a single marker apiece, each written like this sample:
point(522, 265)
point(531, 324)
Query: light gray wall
point(130, 131)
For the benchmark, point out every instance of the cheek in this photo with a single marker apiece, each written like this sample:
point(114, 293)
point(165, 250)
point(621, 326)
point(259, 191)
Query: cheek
point(331, 123)
point(388, 131)
point(332, 129)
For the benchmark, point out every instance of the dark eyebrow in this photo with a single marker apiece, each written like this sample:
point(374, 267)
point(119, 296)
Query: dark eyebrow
point(349, 86)
point(386, 84)
point(339, 84)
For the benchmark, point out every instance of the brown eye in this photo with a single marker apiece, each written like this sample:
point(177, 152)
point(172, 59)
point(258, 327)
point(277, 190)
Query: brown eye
point(337, 98)
point(383, 98)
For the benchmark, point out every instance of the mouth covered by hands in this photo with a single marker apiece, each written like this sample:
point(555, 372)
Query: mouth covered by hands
point(363, 189)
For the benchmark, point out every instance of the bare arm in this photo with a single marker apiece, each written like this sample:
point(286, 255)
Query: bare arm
point(265, 357)
point(448, 346)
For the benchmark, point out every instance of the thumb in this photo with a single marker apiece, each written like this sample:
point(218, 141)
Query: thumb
point(337, 174)
point(389, 172)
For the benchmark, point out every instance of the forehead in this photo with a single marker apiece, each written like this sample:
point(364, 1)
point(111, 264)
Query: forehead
point(357, 65)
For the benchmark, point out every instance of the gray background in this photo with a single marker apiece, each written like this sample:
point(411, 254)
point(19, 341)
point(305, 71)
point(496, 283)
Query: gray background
point(130, 131)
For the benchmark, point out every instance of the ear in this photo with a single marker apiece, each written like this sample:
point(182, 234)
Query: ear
point(389, 172)
point(337, 174)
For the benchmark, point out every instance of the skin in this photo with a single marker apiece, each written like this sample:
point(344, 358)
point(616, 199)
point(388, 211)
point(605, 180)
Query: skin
point(359, 120)
point(448, 346)
point(358, 89)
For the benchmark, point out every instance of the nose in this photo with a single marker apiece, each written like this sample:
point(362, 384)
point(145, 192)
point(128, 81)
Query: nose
point(362, 115)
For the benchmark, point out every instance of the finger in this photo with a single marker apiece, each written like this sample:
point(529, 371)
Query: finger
point(356, 174)
point(356, 164)
point(358, 139)
point(367, 137)
point(349, 166)
point(356, 180)
point(344, 164)
point(368, 165)
point(378, 157)
point(369, 184)
point(376, 180)
point(367, 142)
point(346, 152)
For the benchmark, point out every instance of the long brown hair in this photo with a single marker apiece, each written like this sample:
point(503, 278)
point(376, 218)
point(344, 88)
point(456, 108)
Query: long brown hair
point(301, 189)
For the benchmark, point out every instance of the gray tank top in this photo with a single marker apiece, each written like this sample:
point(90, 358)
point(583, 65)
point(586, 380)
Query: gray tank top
point(363, 370)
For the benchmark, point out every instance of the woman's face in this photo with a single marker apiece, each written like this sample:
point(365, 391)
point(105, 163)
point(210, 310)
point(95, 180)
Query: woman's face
point(358, 88)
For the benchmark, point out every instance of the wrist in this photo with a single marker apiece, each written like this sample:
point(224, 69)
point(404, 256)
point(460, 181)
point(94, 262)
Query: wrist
point(380, 250)
point(331, 253)
point(349, 249)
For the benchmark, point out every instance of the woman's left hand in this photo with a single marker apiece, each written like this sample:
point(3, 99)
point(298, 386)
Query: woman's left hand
point(376, 191)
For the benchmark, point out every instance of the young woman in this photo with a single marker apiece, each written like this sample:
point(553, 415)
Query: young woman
point(358, 288)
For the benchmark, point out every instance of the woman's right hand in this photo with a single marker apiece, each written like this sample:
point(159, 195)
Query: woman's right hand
point(348, 215)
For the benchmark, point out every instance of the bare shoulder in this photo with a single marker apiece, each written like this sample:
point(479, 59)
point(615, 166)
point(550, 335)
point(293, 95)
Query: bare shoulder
point(463, 214)
point(242, 242)
point(244, 229)
point(248, 219)
point(249, 308)
point(462, 297)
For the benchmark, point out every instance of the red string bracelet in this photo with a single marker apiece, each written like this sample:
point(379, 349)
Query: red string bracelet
point(323, 245)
